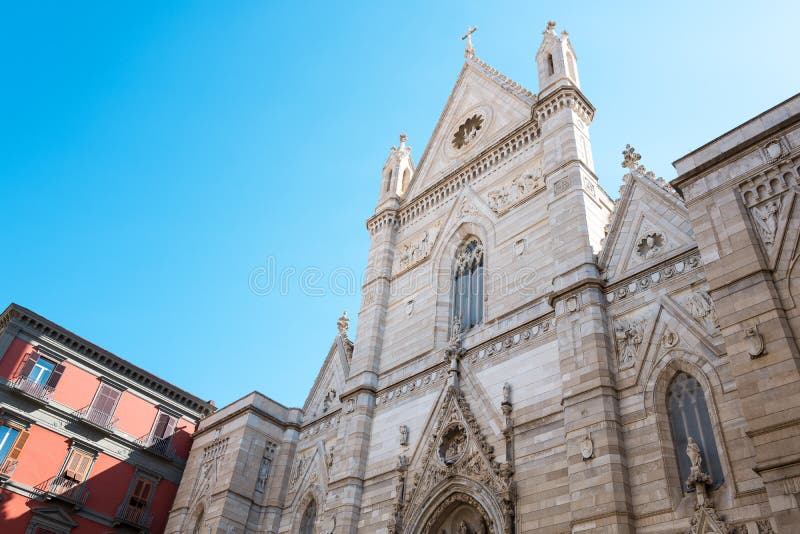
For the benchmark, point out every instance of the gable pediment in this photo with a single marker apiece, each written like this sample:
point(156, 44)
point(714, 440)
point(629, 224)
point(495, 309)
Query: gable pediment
point(649, 224)
point(483, 107)
point(324, 395)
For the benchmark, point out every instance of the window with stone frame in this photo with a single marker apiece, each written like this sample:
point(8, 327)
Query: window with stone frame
point(689, 417)
point(40, 370)
point(78, 465)
point(468, 285)
point(309, 518)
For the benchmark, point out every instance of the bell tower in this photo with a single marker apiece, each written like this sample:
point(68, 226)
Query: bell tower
point(556, 61)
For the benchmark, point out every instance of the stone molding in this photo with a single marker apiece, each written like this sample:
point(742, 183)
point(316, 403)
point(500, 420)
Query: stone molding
point(564, 98)
point(449, 186)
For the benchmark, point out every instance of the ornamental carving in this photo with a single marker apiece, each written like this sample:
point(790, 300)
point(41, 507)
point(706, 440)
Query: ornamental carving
point(702, 309)
point(766, 218)
point(628, 338)
point(520, 188)
point(455, 448)
point(453, 444)
point(650, 244)
point(414, 250)
point(651, 280)
point(468, 131)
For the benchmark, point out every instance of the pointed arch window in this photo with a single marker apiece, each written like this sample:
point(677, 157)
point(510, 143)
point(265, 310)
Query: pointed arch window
point(468, 285)
point(550, 67)
point(688, 416)
point(309, 518)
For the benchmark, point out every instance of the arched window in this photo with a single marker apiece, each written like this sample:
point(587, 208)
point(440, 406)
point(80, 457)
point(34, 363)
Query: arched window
point(406, 179)
point(468, 285)
point(571, 65)
point(688, 416)
point(309, 517)
point(389, 179)
point(550, 68)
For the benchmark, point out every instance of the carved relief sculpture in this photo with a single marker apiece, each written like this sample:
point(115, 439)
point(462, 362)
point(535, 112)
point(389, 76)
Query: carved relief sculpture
point(702, 309)
point(628, 338)
point(403, 435)
point(520, 187)
point(587, 447)
point(766, 218)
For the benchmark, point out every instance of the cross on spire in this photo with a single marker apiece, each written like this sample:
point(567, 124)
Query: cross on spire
point(469, 51)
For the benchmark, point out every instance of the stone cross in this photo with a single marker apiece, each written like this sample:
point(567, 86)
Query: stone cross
point(469, 51)
point(630, 158)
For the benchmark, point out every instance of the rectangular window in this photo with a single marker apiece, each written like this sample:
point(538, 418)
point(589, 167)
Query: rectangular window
point(103, 405)
point(41, 371)
point(78, 465)
point(12, 439)
point(140, 496)
point(164, 426)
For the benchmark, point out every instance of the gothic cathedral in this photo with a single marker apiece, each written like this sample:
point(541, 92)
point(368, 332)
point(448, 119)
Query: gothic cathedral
point(534, 356)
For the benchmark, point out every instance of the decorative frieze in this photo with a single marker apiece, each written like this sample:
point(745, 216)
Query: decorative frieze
point(400, 390)
point(322, 426)
point(652, 279)
point(415, 250)
point(520, 337)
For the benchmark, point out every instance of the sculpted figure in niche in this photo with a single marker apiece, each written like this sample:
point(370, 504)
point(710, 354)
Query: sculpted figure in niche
point(767, 221)
point(403, 435)
point(463, 528)
point(694, 454)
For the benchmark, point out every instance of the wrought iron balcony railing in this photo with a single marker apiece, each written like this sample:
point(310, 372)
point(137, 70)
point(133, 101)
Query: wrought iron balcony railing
point(132, 515)
point(33, 389)
point(160, 446)
point(98, 418)
point(7, 468)
point(65, 489)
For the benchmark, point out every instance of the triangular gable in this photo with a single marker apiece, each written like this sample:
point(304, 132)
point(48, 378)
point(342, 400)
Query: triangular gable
point(649, 224)
point(452, 446)
point(501, 105)
point(324, 394)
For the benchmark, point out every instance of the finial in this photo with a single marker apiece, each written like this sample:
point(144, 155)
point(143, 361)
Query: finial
point(343, 324)
point(469, 51)
point(630, 158)
point(551, 27)
point(403, 138)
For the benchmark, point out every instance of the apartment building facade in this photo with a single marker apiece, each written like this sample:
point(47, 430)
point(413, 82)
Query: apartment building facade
point(89, 443)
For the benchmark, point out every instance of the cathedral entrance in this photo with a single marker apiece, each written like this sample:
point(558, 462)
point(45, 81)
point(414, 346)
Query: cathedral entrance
point(460, 518)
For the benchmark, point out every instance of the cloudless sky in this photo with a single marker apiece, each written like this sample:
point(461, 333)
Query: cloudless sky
point(153, 155)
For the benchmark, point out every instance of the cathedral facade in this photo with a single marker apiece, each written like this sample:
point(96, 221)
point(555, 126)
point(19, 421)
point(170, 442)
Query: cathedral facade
point(533, 356)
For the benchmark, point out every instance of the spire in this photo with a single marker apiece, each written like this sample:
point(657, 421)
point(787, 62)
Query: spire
point(556, 61)
point(469, 51)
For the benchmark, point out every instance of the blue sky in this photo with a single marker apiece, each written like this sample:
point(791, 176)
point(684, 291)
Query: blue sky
point(154, 155)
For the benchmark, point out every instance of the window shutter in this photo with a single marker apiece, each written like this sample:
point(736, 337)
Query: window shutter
point(106, 399)
point(21, 439)
point(27, 365)
point(55, 376)
point(165, 426)
point(78, 466)
point(140, 495)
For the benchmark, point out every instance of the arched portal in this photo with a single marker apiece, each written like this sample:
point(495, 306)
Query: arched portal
point(460, 518)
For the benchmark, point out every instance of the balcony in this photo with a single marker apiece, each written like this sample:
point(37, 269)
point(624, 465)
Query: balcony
point(159, 446)
point(97, 418)
point(65, 489)
point(133, 517)
point(31, 389)
point(7, 469)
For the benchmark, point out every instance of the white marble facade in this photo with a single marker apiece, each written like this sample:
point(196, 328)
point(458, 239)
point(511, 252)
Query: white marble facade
point(551, 414)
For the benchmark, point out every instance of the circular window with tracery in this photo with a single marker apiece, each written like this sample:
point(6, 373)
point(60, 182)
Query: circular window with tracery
point(468, 131)
point(453, 444)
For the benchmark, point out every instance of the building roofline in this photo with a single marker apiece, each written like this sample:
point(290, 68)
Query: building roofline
point(132, 374)
point(704, 163)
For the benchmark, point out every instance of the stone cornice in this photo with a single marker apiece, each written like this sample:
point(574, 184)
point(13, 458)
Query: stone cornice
point(448, 187)
point(564, 97)
point(117, 368)
point(734, 150)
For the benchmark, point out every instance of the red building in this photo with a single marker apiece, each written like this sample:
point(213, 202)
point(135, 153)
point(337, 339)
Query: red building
point(89, 443)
